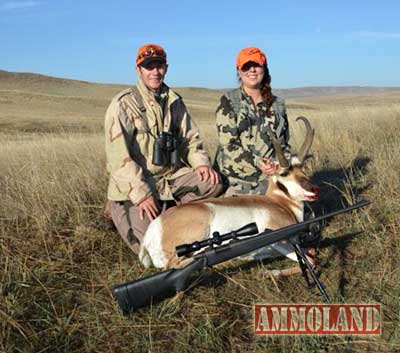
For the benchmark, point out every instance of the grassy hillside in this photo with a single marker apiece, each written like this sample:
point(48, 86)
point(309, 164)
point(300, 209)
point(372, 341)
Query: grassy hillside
point(42, 84)
point(58, 262)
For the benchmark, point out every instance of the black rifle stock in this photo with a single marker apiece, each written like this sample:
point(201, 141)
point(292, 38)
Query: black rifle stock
point(144, 291)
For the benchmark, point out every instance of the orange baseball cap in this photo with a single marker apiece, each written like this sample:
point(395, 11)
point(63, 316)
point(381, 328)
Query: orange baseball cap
point(150, 52)
point(250, 54)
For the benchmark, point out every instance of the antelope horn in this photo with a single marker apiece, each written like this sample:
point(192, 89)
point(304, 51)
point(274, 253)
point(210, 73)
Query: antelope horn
point(283, 162)
point(308, 140)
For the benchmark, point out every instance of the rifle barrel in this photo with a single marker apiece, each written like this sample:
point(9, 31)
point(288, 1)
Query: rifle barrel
point(266, 238)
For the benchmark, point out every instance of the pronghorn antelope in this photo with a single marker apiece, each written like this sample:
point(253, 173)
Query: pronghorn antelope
point(282, 205)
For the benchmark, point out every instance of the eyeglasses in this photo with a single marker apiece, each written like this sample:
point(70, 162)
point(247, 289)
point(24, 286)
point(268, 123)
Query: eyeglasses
point(154, 64)
point(152, 52)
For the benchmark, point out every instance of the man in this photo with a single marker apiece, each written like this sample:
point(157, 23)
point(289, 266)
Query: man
point(154, 151)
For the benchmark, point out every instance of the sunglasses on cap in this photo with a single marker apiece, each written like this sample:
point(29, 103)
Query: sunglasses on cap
point(152, 52)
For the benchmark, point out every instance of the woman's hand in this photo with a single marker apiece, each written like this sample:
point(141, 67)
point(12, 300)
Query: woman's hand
point(268, 167)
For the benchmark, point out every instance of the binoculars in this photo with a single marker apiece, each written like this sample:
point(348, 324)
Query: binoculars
point(165, 152)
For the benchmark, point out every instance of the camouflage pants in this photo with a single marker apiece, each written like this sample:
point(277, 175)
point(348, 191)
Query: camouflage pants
point(185, 189)
point(240, 187)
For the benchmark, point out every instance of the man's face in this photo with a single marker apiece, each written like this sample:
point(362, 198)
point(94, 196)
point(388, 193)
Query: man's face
point(152, 74)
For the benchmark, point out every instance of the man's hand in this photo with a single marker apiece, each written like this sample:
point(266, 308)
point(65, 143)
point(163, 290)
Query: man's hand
point(150, 207)
point(268, 167)
point(207, 173)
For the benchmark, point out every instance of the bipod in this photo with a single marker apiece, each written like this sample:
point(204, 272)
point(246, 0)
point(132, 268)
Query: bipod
point(306, 268)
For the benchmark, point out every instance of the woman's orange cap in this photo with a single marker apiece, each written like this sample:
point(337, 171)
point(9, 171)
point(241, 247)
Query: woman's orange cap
point(250, 54)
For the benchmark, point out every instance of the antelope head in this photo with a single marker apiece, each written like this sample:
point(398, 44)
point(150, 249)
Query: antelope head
point(290, 177)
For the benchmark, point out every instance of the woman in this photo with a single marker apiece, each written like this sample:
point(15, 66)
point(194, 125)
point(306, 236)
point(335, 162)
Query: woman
point(245, 117)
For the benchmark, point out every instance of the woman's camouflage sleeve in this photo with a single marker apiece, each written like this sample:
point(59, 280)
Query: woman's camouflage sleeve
point(227, 129)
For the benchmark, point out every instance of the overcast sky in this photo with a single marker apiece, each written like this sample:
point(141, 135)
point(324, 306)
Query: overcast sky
point(308, 43)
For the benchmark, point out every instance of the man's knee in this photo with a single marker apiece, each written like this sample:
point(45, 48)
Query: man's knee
point(215, 190)
point(206, 189)
point(130, 227)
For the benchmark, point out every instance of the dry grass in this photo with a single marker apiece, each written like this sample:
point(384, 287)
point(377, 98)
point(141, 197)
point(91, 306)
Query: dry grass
point(58, 262)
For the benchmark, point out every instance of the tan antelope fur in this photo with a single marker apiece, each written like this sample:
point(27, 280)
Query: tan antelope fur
point(282, 205)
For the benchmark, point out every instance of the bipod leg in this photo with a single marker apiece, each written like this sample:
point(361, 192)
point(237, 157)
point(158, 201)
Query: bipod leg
point(302, 265)
point(305, 264)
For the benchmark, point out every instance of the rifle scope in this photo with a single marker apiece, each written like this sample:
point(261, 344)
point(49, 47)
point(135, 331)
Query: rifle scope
point(216, 239)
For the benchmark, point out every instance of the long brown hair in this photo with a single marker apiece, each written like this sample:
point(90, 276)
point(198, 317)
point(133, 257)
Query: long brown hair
point(266, 90)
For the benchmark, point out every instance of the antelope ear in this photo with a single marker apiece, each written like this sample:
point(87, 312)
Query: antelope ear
point(295, 161)
point(309, 164)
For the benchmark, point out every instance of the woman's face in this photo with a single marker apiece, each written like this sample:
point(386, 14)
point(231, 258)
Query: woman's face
point(251, 74)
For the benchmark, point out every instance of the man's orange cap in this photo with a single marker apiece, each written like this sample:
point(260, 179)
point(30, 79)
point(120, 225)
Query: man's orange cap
point(250, 54)
point(150, 52)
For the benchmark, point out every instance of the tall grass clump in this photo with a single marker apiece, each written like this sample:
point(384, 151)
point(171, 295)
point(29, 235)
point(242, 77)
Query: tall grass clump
point(50, 181)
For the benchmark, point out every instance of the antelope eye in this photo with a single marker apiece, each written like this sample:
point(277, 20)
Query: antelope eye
point(284, 174)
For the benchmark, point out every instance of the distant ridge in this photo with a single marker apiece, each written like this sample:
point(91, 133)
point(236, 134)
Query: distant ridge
point(38, 83)
point(299, 92)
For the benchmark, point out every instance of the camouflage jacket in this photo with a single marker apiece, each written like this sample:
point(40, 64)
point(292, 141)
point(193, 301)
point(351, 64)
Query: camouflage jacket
point(243, 137)
point(131, 127)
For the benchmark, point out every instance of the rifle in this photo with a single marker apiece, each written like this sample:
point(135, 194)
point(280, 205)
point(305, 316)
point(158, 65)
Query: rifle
point(144, 291)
